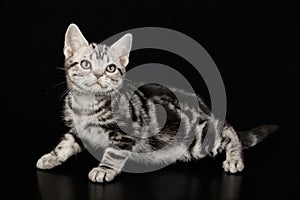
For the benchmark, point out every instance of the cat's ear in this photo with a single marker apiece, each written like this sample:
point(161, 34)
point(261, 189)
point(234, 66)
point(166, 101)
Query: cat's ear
point(121, 49)
point(74, 40)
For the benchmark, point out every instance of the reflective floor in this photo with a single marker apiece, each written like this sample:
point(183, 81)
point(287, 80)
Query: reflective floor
point(170, 184)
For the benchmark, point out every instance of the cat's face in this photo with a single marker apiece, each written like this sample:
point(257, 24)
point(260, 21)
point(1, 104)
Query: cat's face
point(95, 68)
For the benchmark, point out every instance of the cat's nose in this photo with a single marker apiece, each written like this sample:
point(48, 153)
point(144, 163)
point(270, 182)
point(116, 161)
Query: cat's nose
point(97, 74)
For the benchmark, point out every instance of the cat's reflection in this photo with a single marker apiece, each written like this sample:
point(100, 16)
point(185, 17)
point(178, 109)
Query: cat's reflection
point(170, 185)
point(190, 186)
point(54, 186)
point(62, 187)
point(112, 190)
point(230, 186)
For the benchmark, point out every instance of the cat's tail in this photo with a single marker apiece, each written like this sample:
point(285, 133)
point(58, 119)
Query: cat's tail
point(253, 136)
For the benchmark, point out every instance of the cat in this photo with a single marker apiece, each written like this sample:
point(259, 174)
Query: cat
point(95, 76)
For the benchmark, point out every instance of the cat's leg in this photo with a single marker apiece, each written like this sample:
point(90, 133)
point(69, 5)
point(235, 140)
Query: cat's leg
point(111, 164)
point(233, 148)
point(114, 157)
point(67, 147)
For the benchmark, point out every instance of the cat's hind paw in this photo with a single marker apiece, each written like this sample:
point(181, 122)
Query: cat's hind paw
point(233, 165)
point(102, 174)
point(48, 161)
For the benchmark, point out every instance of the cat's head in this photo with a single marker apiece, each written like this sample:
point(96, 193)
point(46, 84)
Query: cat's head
point(95, 68)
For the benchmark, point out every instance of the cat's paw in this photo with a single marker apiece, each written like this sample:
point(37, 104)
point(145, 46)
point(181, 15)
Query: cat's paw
point(48, 161)
point(101, 174)
point(233, 165)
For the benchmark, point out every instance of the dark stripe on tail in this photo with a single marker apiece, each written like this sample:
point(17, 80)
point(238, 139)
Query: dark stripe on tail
point(252, 137)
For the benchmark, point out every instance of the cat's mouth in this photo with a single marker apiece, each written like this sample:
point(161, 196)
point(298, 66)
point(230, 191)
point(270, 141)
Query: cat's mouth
point(97, 87)
point(97, 84)
point(101, 85)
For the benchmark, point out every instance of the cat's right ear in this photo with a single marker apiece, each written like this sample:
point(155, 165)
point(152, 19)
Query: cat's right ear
point(74, 40)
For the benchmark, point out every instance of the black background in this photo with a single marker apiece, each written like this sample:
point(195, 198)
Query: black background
point(254, 44)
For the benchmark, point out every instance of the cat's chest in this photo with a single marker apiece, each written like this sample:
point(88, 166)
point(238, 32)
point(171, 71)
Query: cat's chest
point(86, 122)
point(90, 132)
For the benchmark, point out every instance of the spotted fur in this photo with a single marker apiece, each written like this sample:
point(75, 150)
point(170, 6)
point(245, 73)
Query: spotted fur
point(102, 112)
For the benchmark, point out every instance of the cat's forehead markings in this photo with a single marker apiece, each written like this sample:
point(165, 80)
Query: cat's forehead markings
point(96, 53)
point(105, 47)
point(94, 45)
point(99, 52)
point(105, 50)
point(104, 55)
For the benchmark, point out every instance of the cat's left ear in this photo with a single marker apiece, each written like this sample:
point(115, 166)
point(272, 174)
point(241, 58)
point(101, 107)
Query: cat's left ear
point(121, 49)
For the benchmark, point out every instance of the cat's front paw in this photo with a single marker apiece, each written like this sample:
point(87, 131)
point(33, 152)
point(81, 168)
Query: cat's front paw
point(101, 174)
point(48, 161)
point(233, 165)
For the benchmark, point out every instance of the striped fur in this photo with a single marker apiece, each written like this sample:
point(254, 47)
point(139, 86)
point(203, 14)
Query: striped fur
point(102, 112)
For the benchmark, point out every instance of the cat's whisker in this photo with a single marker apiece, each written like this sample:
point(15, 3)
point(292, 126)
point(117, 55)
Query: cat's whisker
point(124, 79)
point(61, 68)
point(54, 86)
point(115, 89)
point(64, 93)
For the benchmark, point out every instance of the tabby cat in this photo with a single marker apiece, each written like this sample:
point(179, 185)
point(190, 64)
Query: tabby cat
point(95, 108)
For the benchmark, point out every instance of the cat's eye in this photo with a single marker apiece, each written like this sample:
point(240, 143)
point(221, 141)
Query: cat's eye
point(85, 64)
point(111, 68)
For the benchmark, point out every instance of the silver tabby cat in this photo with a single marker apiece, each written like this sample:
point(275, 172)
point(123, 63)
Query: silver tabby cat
point(95, 109)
